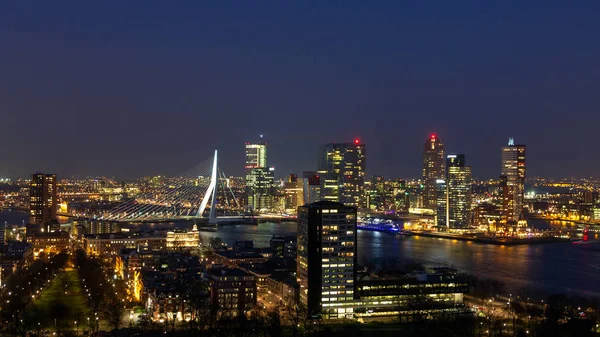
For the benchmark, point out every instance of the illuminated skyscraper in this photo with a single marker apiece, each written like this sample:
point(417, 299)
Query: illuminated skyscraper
point(42, 198)
point(342, 170)
point(433, 169)
point(256, 155)
point(294, 195)
point(459, 191)
point(326, 269)
point(513, 168)
point(441, 204)
point(260, 179)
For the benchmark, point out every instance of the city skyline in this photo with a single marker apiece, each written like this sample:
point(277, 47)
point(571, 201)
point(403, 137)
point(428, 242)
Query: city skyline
point(136, 89)
point(278, 173)
point(299, 169)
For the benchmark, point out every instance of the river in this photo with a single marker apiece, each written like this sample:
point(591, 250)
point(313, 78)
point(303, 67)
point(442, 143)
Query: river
point(553, 268)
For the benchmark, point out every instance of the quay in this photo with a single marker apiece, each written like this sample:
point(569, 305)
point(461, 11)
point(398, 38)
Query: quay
point(506, 241)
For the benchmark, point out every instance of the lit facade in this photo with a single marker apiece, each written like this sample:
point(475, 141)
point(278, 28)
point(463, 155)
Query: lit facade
point(256, 155)
point(183, 239)
point(431, 292)
point(433, 169)
point(260, 179)
point(342, 169)
point(513, 168)
point(293, 190)
point(459, 182)
point(441, 208)
point(326, 269)
point(260, 189)
point(42, 198)
point(49, 243)
point(111, 244)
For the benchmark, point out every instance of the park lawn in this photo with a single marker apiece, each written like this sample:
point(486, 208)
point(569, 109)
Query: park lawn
point(74, 299)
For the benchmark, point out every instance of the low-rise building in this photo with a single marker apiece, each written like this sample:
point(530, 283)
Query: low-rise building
point(428, 292)
point(48, 243)
point(233, 258)
point(181, 239)
point(111, 244)
point(232, 291)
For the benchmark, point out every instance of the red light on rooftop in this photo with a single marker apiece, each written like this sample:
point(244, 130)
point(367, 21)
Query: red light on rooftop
point(433, 136)
point(356, 141)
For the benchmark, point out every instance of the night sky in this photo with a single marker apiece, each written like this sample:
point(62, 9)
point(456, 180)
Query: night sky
point(129, 89)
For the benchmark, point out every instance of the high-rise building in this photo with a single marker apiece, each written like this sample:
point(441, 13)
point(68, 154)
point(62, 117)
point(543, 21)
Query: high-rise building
point(256, 155)
point(508, 199)
point(441, 208)
point(433, 169)
point(260, 179)
point(376, 193)
point(42, 198)
point(459, 191)
point(342, 170)
point(326, 268)
point(293, 193)
point(513, 168)
point(260, 189)
point(311, 185)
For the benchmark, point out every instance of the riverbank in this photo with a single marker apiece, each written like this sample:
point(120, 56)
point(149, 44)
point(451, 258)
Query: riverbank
point(493, 241)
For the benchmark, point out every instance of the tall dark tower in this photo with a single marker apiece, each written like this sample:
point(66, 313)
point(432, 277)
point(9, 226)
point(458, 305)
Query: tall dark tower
point(434, 168)
point(513, 168)
point(327, 259)
point(459, 191)
point(42, 198)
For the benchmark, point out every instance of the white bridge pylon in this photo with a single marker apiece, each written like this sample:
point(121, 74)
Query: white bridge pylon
point(211, 191)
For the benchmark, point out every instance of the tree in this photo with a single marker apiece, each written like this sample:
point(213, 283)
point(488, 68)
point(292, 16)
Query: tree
point(114, 313)
point(273, 323)
point(59, 313)
point(296, 316)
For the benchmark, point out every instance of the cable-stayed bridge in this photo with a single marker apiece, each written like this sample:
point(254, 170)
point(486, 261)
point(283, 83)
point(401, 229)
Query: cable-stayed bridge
point(189, 195)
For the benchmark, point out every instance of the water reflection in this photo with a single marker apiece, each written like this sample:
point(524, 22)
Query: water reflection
point(557, 267)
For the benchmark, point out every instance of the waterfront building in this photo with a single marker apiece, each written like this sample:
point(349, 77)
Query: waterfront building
point(342, 168)
point(459, 191)
point(260, 190)
point(430, 292)
point(376, 193)
point(596, 213)
point(260, 179)
point(42, 198)
point(293, 191)
point(433, 169)
point(326, 269)
point(96, 227)
point(507, 197)
point(513, 168)
point(486, 214)
point(441, 209)
point(311, 187)
point(183, 239)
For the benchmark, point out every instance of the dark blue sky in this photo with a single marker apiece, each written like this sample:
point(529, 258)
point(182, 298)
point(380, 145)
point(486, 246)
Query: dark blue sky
point(126, 89)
